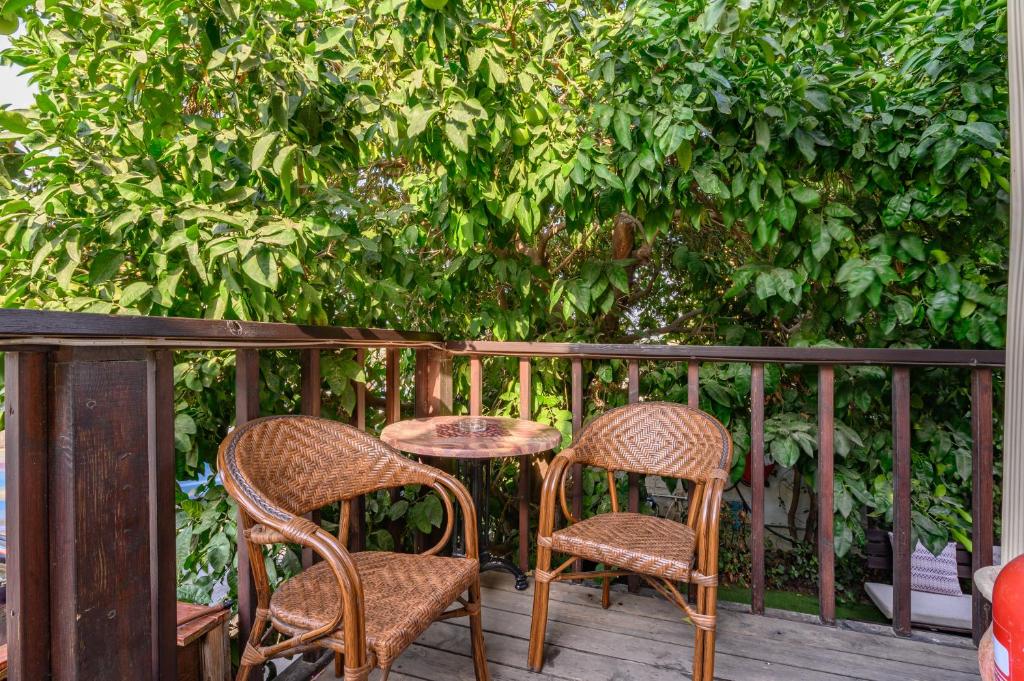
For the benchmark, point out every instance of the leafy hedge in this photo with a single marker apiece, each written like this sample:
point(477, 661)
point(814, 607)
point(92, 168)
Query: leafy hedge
point(782, 172)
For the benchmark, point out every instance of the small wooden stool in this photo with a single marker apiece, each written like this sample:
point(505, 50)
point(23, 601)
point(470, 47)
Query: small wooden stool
point(204, 653)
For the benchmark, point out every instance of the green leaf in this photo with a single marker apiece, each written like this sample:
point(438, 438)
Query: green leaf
point(942, 306)
point(104, 266)
point(675, 139)
point(855, 276)
point(619, 279)
point(458, 135)
point(418, 119)
point(623, 132)
point(14, 122)
point(787, 213)
point(985, 134)
point(709, 182)
point(762, 133)
point(806, 196)
point(897, 210)
point(261, 267)
point(134, 293)
point(260, 149)
point(945, 151)
point(914, 247)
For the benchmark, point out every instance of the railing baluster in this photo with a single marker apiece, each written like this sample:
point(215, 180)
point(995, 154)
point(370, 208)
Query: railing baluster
point(525, 464)
point(247, 408)
point(692, 400)
point(577, 424)
point(309, 379)
point(359, 411)
point(357, 532)
point(433, 382)
point(392, 385)
point(901, 548)
point(757, 488)
point(693, 384)
point(981, 491)
point(476, 386)
point(633, 500)
point(28, 564)
point(392, 414)
point(826, 539)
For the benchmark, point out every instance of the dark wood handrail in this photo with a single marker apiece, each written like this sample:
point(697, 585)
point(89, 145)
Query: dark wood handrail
point(736, 353)
point(48, 327)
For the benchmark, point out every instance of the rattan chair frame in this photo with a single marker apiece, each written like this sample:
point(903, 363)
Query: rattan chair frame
point(265, 522)
point(707, 465)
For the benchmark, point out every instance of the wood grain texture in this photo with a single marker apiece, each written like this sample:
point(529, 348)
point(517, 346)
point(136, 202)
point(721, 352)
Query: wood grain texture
point(901, 476)
point(162, 474)
point(826, 541)
point(641, 638)
point(28, 550)
point(456, 437)
point(634, 481)
point(101, 589)
point(476, 386)
point(525, 464)
point(247, 408)
point(52, 327)
point(357, 533)
point(731, 353)
point(433, 383)
point(393, 385)
point(757, 488)
point(577, 425)
point(309, 404)
point(981, 492)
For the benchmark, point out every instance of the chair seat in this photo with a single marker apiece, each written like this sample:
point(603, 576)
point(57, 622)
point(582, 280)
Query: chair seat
point(641, 543)
point(403, 595)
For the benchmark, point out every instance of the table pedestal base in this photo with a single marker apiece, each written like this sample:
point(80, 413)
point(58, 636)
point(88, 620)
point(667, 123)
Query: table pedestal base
point(489, 562)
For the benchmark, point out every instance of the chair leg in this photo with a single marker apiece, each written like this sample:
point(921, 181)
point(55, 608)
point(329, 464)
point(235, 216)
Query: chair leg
point(539, 621)
point(710, 608)
point(698, 640)
point(255, 636)
point(606, 593)
point(339, 665)
point(476, 629)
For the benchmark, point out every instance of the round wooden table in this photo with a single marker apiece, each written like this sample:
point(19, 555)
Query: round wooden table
point(475, 440)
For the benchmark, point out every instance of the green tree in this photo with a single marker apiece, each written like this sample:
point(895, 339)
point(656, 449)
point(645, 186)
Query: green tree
point(784, 172)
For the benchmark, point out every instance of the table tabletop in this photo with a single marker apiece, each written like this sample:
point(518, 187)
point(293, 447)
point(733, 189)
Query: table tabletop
point(471, 437)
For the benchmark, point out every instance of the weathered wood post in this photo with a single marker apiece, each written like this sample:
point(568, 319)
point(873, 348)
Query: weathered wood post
point(92, 457)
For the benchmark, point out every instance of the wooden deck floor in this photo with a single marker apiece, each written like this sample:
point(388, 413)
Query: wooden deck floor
point(641, 638)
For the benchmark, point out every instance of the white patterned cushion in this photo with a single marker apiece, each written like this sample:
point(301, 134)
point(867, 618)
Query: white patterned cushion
point(934, 574)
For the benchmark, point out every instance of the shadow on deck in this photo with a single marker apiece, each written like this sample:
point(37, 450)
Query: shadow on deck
point(642, 638)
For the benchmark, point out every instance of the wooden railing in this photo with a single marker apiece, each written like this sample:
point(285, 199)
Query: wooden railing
point(91, 475)
point(90, 449)
point(900, 361)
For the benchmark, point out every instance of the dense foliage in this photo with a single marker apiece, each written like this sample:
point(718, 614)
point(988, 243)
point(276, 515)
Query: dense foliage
point(726, 171)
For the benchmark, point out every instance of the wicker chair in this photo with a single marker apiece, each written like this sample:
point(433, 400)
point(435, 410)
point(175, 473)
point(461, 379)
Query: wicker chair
point(367, 607)
point(651, 438)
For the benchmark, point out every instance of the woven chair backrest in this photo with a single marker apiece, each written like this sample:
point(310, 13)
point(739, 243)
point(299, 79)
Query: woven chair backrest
point(300, 463)
point(656, 438)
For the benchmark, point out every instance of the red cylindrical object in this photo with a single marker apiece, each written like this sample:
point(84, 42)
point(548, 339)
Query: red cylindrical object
point(1008, 621)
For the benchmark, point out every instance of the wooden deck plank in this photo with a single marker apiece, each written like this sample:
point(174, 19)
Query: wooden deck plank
point(741, 635)
point(641, 638)
point(788, 632)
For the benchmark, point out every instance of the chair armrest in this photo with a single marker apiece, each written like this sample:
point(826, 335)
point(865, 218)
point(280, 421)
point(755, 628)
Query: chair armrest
point(554, 486)
point(259, 526)
point(444, 484)
point(708, 522)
